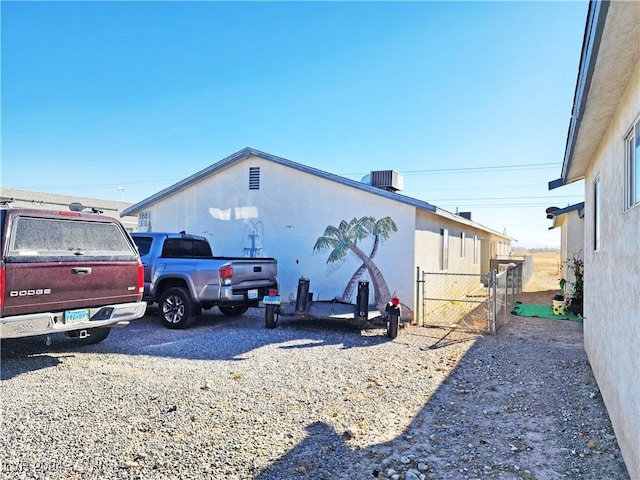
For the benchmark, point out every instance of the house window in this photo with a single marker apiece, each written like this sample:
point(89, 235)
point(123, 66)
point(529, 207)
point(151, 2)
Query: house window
point(632, 166)
point(254, 178)
point(596, 214)
point(444, 249)
point(463, 247)
point(475, 249)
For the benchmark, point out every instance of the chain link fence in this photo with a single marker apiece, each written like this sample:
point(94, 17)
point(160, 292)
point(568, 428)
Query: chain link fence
point(476, 302)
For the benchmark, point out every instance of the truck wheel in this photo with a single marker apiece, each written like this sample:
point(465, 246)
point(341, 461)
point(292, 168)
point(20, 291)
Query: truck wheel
point(270, 316)
point(392, 326)
point(233, 310)
point(94, 335)
point(176, 308)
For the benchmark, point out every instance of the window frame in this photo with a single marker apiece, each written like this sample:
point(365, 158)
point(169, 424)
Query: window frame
point(632, 166)
point(444, 249)
point(597, 199)
point(475, 249)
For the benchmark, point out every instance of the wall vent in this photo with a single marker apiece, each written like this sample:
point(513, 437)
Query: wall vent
point(387, 180)
point(254, 178)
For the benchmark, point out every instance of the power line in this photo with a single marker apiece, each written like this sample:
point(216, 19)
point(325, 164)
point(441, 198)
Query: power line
point(502, 198)
point(479, 169)
point(493, 205)
point(524, 166)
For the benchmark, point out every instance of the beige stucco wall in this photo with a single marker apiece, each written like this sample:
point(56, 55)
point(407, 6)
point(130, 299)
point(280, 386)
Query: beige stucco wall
point(438, 286)
point(612, 283)
point(429, 244)
point(571, 241)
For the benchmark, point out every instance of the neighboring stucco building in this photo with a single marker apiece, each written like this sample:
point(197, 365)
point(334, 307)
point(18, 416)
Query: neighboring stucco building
point(51, 201)
point(329, 229)
point(603, 148)
point(570, 221)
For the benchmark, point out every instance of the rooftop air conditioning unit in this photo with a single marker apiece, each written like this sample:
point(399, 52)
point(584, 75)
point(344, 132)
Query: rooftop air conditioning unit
point(387, 180)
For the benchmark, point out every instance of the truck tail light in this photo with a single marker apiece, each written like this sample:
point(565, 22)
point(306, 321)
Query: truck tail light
point(226, 272)
point(2, 284)
point(140, 278)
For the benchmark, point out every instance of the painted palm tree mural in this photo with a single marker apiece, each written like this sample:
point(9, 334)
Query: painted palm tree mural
point(344, 239)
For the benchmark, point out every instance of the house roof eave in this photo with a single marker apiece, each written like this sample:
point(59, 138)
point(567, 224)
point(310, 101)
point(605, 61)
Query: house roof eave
point(557, 214)
point(471, 223)
point(610, 53)
point(594, 26)
point(248, 152)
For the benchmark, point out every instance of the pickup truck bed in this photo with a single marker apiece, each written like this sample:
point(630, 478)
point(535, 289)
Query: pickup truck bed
point(66, 272)
point(183, 277)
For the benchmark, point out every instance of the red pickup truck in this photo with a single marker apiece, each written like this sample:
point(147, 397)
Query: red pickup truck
point(70, 272)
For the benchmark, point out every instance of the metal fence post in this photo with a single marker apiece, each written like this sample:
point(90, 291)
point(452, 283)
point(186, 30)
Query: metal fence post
point(417, 302)
point(494, 282)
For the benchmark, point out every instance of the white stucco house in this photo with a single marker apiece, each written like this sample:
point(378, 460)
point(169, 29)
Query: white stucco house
point(570, 221)
point(329, 229)
point(603, 149)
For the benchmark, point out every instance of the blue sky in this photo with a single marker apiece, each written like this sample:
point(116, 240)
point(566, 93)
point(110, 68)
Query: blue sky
point(470, 101)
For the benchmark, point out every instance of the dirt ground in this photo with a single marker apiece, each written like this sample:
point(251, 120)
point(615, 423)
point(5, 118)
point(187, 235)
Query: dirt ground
point(544, 283)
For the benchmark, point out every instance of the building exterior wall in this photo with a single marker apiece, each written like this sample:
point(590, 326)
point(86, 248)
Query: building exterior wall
point(571, 241)
point(429, 242)
point(286, 216)
point(612, 282)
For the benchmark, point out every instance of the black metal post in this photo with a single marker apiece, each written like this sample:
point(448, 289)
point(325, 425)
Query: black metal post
point(362, 301)
point(303, 295)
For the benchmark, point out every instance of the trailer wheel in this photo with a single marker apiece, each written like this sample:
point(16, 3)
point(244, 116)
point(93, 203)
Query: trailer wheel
point(271, 316)
point(176, 308)
point(233, 310)
point(94, 335)
point(393, 322)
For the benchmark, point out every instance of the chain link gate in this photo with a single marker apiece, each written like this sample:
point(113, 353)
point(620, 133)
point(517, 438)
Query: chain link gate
point(468, 301)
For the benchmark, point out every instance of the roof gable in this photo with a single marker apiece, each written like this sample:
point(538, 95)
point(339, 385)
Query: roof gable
point(249, 152)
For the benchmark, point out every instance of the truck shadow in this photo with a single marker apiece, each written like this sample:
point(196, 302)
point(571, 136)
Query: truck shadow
point(24, 355)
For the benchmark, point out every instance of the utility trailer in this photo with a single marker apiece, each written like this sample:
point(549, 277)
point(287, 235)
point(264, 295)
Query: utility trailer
point(306, 307)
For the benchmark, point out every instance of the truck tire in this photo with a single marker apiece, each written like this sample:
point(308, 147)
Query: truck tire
point(392, 326)
point(270, 316)
point(94, 335)
point(176, 308)
point(233, 310)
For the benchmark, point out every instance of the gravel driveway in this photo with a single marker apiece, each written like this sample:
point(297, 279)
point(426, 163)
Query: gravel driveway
point(229, 399)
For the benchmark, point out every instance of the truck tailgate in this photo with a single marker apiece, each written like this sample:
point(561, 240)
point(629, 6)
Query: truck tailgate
point(254, 272)
point(56, 286)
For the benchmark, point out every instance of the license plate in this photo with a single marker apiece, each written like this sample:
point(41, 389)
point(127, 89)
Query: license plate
point(76, 316)
point(271, 300)
point(252, 294)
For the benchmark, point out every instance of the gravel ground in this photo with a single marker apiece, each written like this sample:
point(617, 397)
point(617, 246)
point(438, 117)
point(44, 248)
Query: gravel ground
point(229, 399)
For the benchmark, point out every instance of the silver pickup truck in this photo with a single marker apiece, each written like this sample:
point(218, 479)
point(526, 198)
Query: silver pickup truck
point(183, 277)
